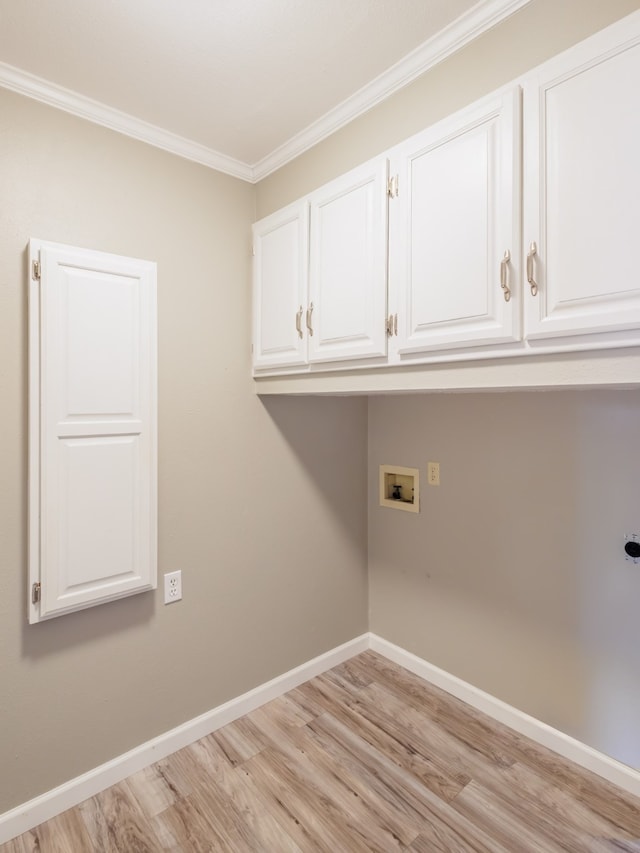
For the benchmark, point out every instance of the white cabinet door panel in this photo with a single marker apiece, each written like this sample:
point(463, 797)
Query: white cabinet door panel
point(100, 499)
point(348, 266)
point(446, 259)
point(456, 215)
point(93, 429)
point(99, 323)
point(582, 188)
point(280, 277)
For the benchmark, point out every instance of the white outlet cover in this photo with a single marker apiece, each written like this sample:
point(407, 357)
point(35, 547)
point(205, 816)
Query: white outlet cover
point(433, 473)
point(172, 587)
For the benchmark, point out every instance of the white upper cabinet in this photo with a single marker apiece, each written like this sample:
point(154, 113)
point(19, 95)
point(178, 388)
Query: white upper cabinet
point(582, 188)
point(507, 229)
point(93, 428)
point(455, 230)
point(348, 266)
point(280, 270)
point(320, 275)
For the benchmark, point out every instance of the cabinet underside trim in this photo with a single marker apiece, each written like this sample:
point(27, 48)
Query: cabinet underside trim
point(603, 369)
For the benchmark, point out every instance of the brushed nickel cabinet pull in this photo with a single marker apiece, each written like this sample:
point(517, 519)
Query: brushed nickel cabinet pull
point(309, 319)
point(299, 322)
point(395, 324)
point(533, 250)
point(504, 275)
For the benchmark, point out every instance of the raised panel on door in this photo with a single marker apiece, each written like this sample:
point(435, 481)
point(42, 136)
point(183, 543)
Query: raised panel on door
point(101, 526)
point(455, 218)
point(348, 266)
point(280, 274)
point(93, 446)
point(582, 188)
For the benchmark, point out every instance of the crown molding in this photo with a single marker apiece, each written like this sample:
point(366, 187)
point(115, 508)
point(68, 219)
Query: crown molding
point(78, 105)
point(482, 17)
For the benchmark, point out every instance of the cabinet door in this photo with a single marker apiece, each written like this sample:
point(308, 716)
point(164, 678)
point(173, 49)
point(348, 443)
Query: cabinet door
point(280, 274)
point(582, 187)
point(454, 238)
point(348, 266)
point(92, 421)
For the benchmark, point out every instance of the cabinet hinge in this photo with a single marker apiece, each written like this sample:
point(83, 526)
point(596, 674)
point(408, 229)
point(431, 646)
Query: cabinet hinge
point(392, 187)
point(36, 592)
point(35, 270)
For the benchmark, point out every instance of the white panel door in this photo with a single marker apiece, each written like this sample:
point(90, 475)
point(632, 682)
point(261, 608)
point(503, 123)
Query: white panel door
point(348, 266)
point(455, 230)
point(582, 188)
point(93, 526)
point(280, 275)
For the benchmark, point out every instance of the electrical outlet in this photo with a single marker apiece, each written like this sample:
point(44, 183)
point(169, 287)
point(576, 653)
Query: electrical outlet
point(172, 587)
point(433, 473)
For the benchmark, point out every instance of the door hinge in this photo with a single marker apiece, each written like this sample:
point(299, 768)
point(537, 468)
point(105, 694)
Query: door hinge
point(35, 270)
point(36, 592)
point(392, 187)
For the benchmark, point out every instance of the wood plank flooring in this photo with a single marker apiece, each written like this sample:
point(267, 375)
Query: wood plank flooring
point(366, 757)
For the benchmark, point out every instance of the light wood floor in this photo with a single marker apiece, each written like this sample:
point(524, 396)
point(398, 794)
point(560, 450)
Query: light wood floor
point(365, 757)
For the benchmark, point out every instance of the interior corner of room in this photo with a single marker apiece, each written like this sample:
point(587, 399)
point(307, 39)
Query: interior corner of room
point(511, 576)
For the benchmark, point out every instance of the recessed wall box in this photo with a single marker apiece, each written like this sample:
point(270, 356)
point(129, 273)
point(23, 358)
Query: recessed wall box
point(400, 488)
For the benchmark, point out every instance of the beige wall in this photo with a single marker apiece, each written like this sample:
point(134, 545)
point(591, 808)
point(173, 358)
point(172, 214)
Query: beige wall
point(262, 506)
point(513, 575)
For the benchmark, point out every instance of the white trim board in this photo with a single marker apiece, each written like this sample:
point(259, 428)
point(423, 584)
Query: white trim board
point(31, 86)
point(579, 753)
point(65, 796)
point(485, 15)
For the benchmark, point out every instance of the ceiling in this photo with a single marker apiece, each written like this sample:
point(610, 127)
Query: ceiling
point(243, 85)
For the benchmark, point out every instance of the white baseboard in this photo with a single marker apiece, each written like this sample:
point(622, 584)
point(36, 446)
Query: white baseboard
point(597, 762)
point(48, 805)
